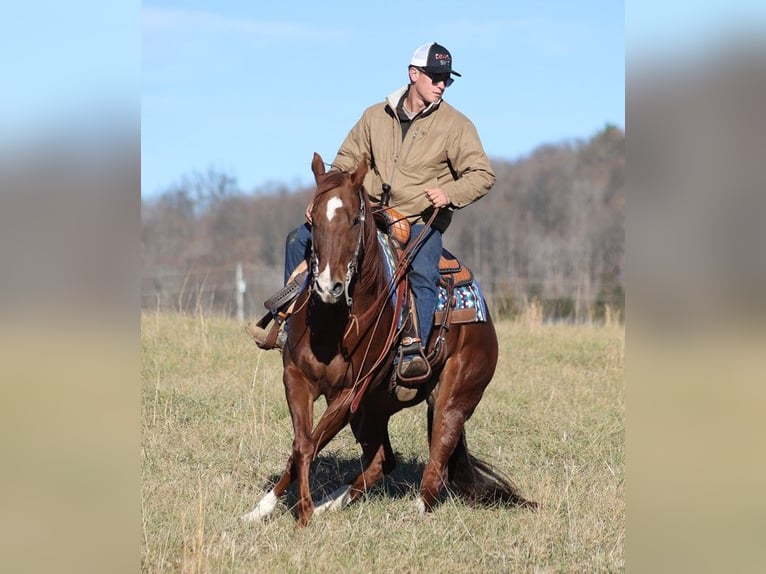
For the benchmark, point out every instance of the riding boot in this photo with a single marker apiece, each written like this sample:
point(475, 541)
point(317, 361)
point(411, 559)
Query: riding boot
point(413, 368)
point(280, 306)
point(261, 336)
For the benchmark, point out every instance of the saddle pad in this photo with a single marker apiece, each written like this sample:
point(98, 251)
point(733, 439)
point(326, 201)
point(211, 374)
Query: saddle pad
point(469, 304)
point(388, 256)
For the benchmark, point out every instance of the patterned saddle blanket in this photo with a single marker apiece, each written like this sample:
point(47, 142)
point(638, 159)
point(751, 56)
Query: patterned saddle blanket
point(467, 301)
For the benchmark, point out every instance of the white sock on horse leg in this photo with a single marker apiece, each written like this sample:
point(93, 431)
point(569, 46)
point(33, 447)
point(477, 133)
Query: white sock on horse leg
point(265, 507)
point(335, 501)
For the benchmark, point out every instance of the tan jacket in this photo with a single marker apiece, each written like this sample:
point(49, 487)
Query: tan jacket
point(442, 149)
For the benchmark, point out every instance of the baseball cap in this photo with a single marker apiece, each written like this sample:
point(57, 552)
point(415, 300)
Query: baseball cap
point(433, 58)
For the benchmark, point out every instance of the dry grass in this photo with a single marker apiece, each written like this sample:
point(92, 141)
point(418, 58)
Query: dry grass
point(216, 432)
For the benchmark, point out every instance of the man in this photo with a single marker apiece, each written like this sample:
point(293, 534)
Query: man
point(427, 156)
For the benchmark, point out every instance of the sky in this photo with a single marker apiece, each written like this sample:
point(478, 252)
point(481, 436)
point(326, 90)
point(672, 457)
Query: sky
point(253, 89)
point(67, 67)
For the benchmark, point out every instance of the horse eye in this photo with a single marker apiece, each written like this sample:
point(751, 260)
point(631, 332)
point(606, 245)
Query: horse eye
point(356, 221)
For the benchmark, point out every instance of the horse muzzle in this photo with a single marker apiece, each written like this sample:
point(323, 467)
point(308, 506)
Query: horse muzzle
point(329, 289)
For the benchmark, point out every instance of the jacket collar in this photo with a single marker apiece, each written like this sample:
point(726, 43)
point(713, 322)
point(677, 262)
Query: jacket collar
point(393, 100)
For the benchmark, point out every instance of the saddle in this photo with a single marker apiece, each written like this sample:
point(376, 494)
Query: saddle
point(454, 276)
point(453, 273)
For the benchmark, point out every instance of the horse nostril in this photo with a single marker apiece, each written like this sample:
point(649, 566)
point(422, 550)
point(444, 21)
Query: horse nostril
point(337, 289)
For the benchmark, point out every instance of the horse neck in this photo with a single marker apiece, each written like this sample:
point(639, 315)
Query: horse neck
point(372, 277)
point(371, 285)
point(365, 327)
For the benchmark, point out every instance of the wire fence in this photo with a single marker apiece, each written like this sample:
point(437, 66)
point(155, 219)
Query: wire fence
point(227, 290)
point(212, 290)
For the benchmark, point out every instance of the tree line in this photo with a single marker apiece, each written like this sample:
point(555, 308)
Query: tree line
point(551, 230)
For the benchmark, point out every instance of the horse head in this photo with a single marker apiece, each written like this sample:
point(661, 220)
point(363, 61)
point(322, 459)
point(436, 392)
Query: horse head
point(338, 216)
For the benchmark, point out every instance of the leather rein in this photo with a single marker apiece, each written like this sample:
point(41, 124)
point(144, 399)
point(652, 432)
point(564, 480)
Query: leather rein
point(397, 282)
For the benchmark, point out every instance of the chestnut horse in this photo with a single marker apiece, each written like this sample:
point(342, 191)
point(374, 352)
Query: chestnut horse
point(339, 347)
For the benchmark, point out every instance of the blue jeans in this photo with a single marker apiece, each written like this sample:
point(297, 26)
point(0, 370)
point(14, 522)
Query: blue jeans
point(423, 275)
point(297, 248)
point(424, 278)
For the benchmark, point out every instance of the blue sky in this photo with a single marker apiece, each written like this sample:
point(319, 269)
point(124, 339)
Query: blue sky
point(67, 66)
point(253, 89)
point(658, 29)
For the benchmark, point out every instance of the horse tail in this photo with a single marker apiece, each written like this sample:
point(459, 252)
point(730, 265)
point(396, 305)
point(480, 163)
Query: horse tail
point(478, 482)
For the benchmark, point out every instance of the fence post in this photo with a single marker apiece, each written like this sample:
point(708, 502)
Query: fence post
point(241, 286)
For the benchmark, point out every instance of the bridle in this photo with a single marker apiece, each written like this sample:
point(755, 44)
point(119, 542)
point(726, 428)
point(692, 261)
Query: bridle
point(375, 310)
point(352, 266)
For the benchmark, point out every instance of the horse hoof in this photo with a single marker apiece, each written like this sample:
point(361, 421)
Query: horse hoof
point(252, 516)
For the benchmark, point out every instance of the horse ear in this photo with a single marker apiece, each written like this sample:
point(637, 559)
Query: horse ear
point(317, 166)
point(361, 171)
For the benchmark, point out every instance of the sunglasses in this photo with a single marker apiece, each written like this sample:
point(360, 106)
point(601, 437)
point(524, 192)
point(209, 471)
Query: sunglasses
point(436, 78)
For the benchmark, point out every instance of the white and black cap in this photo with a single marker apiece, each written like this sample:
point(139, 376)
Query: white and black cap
point(433, 58)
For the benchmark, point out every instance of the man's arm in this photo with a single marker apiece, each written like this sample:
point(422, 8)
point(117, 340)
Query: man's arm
point(471, 164)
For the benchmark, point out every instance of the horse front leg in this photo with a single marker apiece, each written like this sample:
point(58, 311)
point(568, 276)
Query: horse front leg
point(300, 402)
point(268, 503)
point(333, 420)
point(305, 448)
point(371, 432)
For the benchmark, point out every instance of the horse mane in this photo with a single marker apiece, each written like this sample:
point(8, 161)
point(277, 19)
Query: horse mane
point(372, 272)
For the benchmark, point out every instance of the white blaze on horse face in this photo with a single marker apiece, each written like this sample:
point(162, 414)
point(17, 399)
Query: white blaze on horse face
point(326, 284)
point(333, 205)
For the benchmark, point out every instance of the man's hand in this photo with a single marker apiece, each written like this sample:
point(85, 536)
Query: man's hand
point(307, 215)
point(438, 197)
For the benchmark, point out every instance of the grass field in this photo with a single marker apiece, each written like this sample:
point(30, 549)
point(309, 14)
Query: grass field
point(216, 432)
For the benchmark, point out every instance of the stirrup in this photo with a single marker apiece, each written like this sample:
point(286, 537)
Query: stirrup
point(280, 306)
point(413, 368)
point(271, 338)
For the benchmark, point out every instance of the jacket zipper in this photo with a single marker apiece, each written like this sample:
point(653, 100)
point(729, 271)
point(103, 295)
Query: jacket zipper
point(401, 157)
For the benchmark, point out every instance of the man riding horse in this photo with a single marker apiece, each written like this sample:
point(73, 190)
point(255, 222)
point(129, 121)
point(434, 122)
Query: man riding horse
point(424, 155)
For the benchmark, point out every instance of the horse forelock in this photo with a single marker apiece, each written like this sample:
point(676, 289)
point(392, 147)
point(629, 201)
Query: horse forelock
point(332, 180)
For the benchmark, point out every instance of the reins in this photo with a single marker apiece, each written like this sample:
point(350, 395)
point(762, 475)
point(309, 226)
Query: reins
point(397, 281)
point(404, 262)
